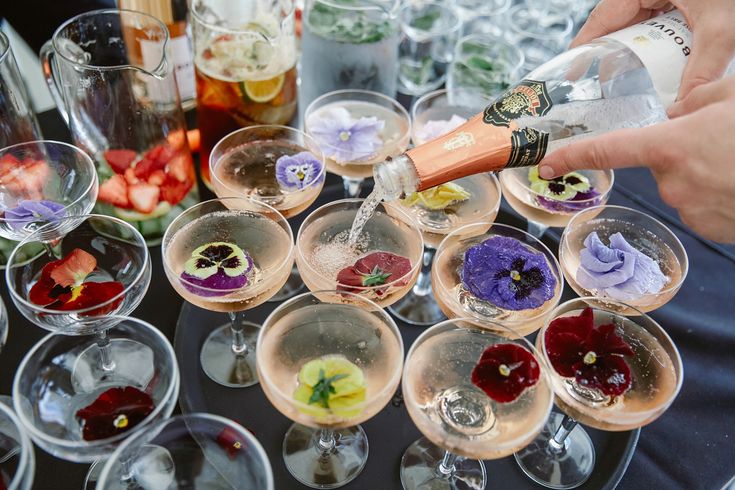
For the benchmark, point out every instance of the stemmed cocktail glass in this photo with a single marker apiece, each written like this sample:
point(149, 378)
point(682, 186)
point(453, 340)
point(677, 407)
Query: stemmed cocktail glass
point(277, 165)
point(229, 255)
point(355, 129)
point(441, 209)
point(328, 360)
point(474, 393)
point(196, 450)
point(490, 272)
point(383, 262)
point(17, 459)
point(552, 203)
point(609, 370)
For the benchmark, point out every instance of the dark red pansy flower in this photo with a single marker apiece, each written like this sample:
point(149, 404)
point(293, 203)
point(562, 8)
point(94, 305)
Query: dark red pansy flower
point(592, 355)
point(374, 269)
point(115, 411)
point(62, 285)
point(229, 440)
point(504, 371)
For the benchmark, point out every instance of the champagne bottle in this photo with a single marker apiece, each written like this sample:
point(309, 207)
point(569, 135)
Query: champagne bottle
point(625, 79)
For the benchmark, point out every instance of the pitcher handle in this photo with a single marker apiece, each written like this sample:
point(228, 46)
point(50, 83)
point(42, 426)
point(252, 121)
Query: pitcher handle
point(47, 53)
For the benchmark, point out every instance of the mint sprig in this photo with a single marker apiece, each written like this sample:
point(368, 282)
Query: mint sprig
point(376, 277)
point(324, 387)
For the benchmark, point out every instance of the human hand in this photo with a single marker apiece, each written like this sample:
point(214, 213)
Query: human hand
point(691, 157)
point(713, 44)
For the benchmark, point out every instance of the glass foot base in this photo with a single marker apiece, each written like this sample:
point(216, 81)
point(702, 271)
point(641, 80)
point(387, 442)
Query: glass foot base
point(417, 310)
point(294, 285)
point(122, 362)
point(536, 229)
point(334, 469)
point(93, 474)
point(568, 468)
point(419, 469)
point(221, 364)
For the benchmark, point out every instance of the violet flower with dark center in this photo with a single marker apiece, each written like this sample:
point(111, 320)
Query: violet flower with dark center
point(216, 269)
point(296, 172)
point(29, 211)
point(344, 139)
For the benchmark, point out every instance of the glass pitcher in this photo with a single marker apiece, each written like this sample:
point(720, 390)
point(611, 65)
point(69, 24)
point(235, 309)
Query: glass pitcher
point(109, 74)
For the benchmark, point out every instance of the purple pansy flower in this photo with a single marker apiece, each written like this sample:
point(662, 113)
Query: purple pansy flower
point(506, 273)
point(435, 128)
point(31, 210)
point(216, 269)
point(295, 172)
point(618, 271)
point(582, 200)
point(344, 139)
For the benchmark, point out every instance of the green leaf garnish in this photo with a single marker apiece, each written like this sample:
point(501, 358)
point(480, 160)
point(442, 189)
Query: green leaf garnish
point(323, 388)
point(376, 277)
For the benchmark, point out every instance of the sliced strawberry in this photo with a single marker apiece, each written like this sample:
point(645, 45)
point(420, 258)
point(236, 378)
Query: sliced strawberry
point(173, 191)
point(115, 191)
point(145, 167)
point(176, 139)
point(157, 177)
point(120, 160)
point(178, 167)
point(143, 197)
point(166, 154)
point(130, 176)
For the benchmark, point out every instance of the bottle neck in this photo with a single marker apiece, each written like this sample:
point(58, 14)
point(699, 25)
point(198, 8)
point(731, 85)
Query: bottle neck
point(397, 177)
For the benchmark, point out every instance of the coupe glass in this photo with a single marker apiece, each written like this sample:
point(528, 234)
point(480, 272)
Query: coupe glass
point(461, 423)
point(323, 251)
point(48, 392)
point(42, 182)
point(483, 67)
point(563, 456)
point(457, 300)
point(483, 16)
point(361, 351)
point(196, 450)
point(277, 165)
point(3, 324)
point(432, 116)
point(355, 129)
point(542, 212)
point(259, 241)
point(642, 232)
point(17, 460)
point(429, 31)
point(117, 255)
point(540, 34)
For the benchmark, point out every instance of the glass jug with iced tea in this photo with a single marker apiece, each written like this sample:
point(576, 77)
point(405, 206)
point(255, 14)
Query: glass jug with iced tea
point(113, 84)
point(245, 65)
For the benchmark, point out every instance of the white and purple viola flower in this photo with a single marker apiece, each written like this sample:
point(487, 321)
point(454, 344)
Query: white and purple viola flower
point(29, 211)
point(216, 269)
point(618, 271)
point(345, 139)
point(298, 171)
point(438, 127)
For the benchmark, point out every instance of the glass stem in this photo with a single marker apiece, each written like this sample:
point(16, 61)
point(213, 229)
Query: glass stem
point(103, 343)
point(423, 283)
point(446, 467)
point(239, 346)
point(556, 443)
point(49, 249)
point(326, 441)
point(352, 186)
point(536, 229)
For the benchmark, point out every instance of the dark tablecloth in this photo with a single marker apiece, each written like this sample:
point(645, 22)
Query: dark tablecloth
point(692, 446)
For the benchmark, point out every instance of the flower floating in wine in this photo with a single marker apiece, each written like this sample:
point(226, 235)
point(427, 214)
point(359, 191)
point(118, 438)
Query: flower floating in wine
point(504, 371)
point(439, 197)
point(619, 271)
point(434, 128)
point(115, 411)
point(343, 138)
point(592, 355)
point(508, 274)
point(330, 384)
point(63, 286)
point(565, 194)
point(216, 269)
point(28, 211)
point(375, 269)
point(296, 172)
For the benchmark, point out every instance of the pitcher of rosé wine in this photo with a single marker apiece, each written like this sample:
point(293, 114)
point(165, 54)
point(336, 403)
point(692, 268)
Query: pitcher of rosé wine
point(110, 75)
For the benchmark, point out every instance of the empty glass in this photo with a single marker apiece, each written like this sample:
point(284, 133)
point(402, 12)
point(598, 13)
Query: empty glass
point(17, 460)
point(539, 36)
point(429, 32)
point(483, 16)
point(17, 120)
point(483, 67)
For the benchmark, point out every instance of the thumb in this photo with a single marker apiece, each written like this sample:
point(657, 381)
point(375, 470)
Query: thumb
point(712, 51)
point(617, 149)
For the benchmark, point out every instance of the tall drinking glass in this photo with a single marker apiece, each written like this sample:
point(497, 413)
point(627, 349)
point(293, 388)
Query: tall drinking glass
point(483, 16)
point(541, 35)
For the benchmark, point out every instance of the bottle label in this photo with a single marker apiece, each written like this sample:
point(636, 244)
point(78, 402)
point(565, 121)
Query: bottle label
point(663, 45)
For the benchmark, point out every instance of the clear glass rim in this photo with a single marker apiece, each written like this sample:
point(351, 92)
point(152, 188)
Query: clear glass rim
point(144, 270)
point(251, 129)
point(168, 237)
point(83, 154)
point(116, 13)
point(338, 95)
point(171, 391)
point(240, 32)
point(593, 302)
point(4, 46)
point(609, 172)
point(678, 246)
point(26, 446)
point(472, 325)
point(487, 40)
point(252, 442)
point(341, 203)
point(539, 35)
point(355, 299)
point(539, 246)
point(455, 26)
point(394, 6)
